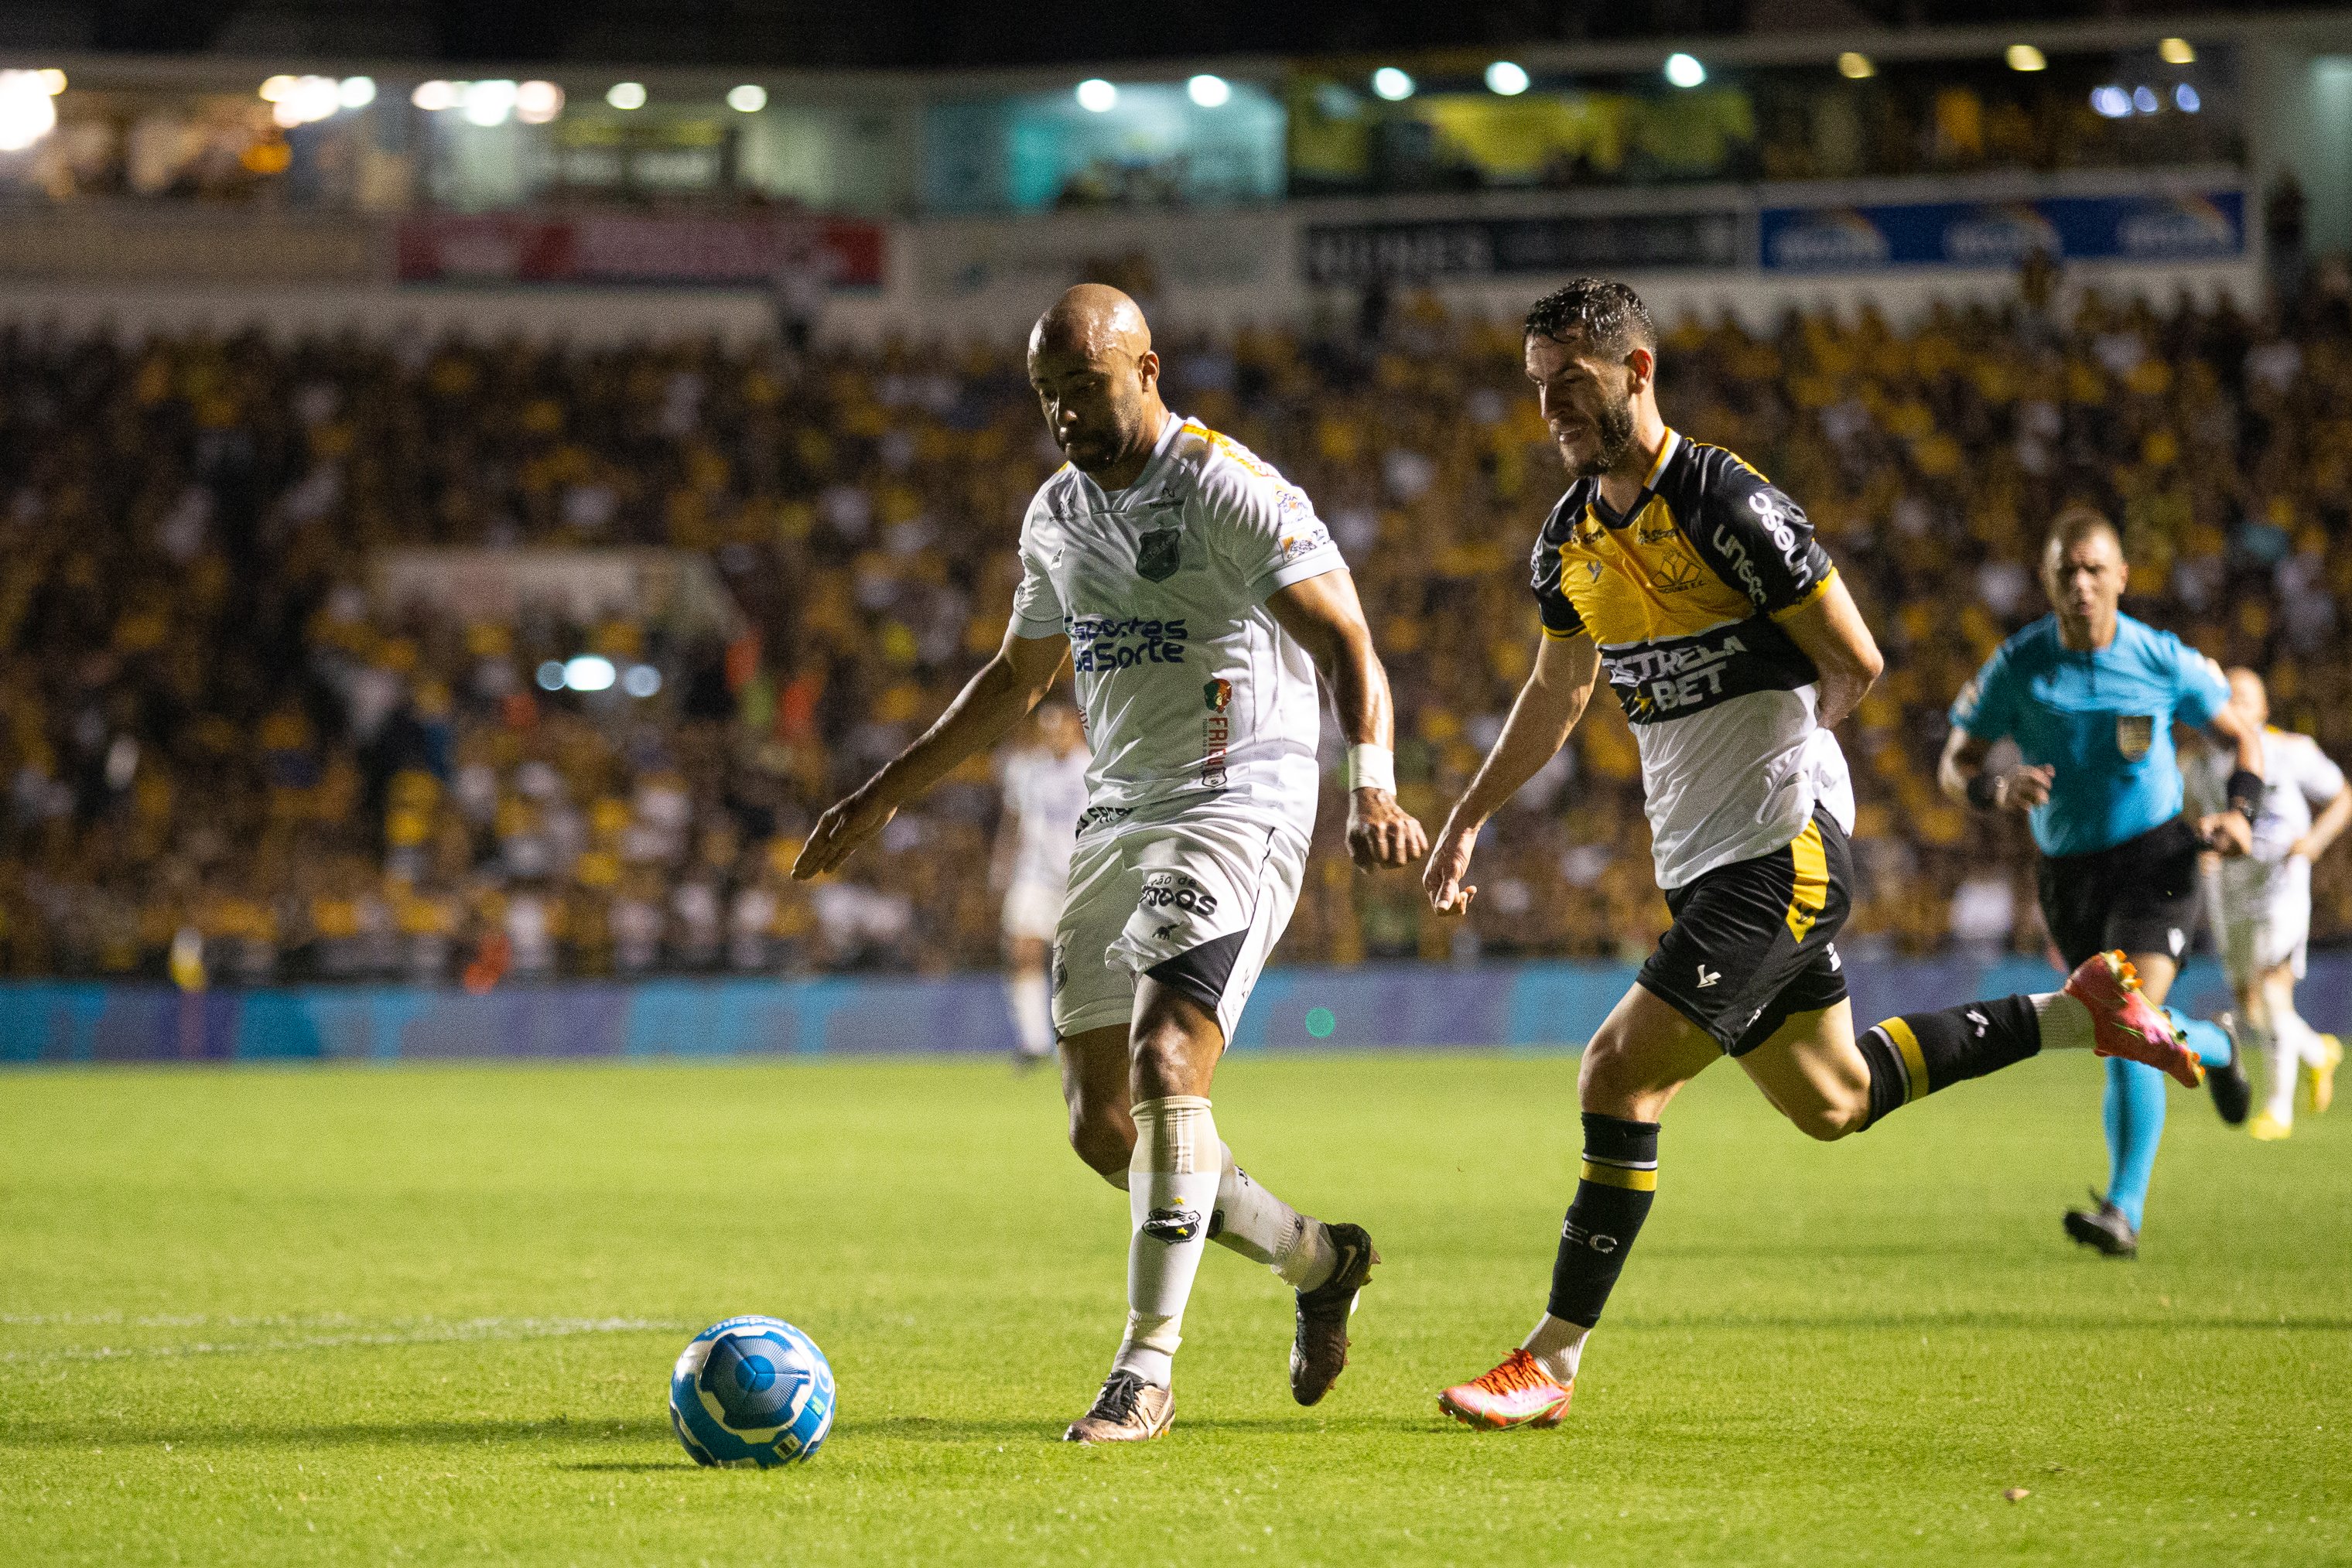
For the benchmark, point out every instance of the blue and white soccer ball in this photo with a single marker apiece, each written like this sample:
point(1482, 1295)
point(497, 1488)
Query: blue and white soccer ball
point(751, 1391)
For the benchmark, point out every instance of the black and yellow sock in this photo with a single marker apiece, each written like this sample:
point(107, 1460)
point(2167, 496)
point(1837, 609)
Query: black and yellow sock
point(1913, 1056)
point(1612, 1199)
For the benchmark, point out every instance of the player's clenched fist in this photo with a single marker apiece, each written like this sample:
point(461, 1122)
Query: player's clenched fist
point(1380, 832)
point(1449, 863)
point(847, 824)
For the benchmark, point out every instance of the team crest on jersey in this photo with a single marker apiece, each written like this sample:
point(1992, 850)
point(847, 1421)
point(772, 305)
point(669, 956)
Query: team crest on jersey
point(2135, 733)
point(1676, 572)
point(1157, 554)
point(1217, 693)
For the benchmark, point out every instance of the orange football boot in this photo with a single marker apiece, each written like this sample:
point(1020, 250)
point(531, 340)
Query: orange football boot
point(1517, 1394)
point(2123, 1024)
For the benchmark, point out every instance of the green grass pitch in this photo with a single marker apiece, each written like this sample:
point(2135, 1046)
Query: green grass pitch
point(426, 1314)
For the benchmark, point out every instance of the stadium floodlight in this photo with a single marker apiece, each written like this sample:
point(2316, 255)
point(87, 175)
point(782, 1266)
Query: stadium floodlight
point(2144, 98)
point(53, 80)
point(588, 673)
point(2110, 102)
point(277, 88)
point(489, 103)
point(1096, 96)
point(625, 95)
point(2176, 52)
point(1391, 84)
point(1506, 78)
point(1856, 66)
point(314, 99)
point(1208, 91)
point(26, 114)
point(641, 680)
point(433, 97)
point(1684, 70)
point(537, 102)
point(2025, 57)
point(749, 98)
point(2185, 98)
point(550, 675)
point(355, 93)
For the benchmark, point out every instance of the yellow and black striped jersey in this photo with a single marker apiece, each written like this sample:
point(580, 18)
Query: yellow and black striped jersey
point(1679, 592)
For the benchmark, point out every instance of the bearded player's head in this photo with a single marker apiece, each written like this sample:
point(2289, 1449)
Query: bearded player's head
point(1594, 355)
point(1098, 381)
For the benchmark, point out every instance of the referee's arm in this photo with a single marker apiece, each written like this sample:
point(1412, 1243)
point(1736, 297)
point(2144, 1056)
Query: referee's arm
point(2230, 830)
point(1961, 774)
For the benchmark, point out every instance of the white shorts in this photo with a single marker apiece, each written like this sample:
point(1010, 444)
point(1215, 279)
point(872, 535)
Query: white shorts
point(2259, 927)
point(1033, 910)
point(1194, 896)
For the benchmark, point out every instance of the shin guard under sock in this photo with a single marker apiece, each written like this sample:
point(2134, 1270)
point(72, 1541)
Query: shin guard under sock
point(1913, 1056)
point(1613, 1193)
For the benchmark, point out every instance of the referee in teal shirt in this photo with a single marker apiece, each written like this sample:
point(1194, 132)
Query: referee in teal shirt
point(2091, 695)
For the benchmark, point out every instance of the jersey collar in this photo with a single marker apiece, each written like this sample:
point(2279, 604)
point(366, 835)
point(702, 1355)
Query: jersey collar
point(1153, 470)
point(1615, 519)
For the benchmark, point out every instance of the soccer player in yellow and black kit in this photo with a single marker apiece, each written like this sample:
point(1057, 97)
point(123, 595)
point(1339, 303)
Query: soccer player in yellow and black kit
point(1678, 573)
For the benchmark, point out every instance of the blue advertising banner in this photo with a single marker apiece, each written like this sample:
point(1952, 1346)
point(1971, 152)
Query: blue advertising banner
point(2204, 226)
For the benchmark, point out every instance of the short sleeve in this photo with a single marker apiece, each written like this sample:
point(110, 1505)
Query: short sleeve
point(1986, 705)
point(2199, 689)
point(1036, 607)
point(1758, 539)
point(1560, 616)
point(2317, 774)
point(1267, 527)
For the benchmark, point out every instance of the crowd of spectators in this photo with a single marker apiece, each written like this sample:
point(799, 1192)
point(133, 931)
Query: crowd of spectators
point(227, 754)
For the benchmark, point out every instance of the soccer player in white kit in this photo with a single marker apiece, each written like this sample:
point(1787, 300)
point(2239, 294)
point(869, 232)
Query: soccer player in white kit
point(1043, 789)
point(2262, 900)
point(1196, 596)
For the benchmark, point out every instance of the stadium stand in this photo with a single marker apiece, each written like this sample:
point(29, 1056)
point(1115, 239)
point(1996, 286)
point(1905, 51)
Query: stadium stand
point(230, 750)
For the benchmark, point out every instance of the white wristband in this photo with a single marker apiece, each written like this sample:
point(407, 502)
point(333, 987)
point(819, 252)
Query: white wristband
point(1371, 767)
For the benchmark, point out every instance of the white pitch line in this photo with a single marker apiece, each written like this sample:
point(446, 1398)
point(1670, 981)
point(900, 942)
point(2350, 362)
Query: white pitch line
point(424, 1333)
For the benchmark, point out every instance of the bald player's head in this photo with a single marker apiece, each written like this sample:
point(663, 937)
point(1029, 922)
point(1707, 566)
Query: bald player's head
point(2249, 696)
point(1098, 381)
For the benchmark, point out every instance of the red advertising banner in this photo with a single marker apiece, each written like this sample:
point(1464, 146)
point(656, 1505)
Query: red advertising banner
point(635, 248)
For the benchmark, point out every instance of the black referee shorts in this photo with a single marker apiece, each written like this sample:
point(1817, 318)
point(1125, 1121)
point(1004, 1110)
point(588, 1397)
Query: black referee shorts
point(1753, 943)
point(2139, 895)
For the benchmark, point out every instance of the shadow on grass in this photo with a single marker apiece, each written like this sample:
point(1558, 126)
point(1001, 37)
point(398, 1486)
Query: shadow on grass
point(2039, 1322)
point(63, 1434)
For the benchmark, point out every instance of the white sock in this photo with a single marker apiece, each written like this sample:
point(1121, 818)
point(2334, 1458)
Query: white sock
point(1032, 1011)
point(1558, 1346)
point(1172, 1191)
point(2293, 1043)
point(1262, 1228)
point(2277, 1049)
point(2065, 1022)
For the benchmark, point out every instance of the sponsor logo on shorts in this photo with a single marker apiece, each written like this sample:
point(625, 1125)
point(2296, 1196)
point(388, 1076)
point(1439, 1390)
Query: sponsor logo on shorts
point(1175, 890)
point(1708, 977)
point(1061, 966)
point(1173, 1226)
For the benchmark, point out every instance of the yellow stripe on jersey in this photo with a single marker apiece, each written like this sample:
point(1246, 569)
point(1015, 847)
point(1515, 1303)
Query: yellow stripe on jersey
point(1812, 886)
point(1915, 1065)
point(1642, 583)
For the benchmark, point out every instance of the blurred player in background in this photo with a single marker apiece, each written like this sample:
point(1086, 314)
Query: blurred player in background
point(1733, 647)
point(1044, 792)
point(1196, 595)
point(2091, 695)
point(2262, 900)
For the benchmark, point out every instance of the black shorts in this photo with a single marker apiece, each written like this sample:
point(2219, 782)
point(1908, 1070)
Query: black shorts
point(1754, 942)
point(2139, 895)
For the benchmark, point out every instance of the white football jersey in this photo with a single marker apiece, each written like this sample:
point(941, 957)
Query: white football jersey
point(1188, 686)
point(2296, 776)
point(1045, 795)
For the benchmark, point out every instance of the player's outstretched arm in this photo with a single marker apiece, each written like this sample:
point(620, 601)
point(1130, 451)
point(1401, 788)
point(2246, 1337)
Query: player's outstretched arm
point(1829, 628)
point(1964, 778)
point(2326, 828)
point(1545, 711)
point(1324, 613)
point(992, 701)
